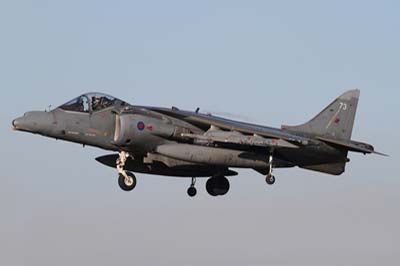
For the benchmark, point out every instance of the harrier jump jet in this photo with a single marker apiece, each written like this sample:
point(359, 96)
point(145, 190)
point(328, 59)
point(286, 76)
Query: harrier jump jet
point(173, 142)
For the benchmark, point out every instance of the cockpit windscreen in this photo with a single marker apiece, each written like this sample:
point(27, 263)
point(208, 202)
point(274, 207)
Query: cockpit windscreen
point(91, 102)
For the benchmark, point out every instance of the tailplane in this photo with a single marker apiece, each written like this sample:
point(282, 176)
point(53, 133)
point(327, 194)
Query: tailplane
point(335, 121)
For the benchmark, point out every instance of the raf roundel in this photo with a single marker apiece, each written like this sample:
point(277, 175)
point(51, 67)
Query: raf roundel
point(140, 125)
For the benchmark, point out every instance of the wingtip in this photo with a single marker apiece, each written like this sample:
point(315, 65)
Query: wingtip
point(380, 153)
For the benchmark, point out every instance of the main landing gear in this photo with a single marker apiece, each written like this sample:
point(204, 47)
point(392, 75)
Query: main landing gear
point(215, 186)
point(126, 180)
point(270, 179)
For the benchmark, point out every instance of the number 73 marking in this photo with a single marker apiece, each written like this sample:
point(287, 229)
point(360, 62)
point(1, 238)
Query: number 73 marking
point(342, 106)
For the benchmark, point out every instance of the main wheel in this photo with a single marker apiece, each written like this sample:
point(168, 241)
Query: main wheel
point(192, 191)
point(270, 179)
point(217, 186)
point(127, 184)
point(210, 187)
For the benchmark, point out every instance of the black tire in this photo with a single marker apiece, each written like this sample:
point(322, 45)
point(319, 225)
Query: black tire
point(270, 179)
point(210, 187)
point(123, 185)
point(222, 186)
point(217, 186)
point(192, 191)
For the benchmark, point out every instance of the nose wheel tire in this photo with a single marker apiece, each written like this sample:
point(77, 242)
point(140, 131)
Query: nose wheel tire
point(270, 179)
point(127, 183)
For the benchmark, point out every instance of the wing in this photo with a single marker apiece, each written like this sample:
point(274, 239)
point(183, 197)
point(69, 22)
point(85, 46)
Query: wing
point(224, 133)
point(205, 122)
point(234, 138)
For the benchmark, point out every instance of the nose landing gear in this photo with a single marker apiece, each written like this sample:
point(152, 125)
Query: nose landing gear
point(126, 180)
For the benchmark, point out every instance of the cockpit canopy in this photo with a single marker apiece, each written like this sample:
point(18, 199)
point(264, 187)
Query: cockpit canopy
point(90, 102)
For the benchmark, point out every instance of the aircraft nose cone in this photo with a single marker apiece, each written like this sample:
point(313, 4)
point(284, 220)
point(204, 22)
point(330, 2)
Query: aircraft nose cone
point(16, 122)
point(34, 122)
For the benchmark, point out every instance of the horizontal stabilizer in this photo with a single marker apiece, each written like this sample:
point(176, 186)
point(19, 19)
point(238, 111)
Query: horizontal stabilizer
point(352, 146)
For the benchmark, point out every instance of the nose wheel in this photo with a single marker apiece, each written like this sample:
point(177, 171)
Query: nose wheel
point(127, 183)
point(126, 180)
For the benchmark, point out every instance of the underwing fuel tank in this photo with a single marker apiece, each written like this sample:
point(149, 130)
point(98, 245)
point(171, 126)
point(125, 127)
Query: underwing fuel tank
point(213, 156)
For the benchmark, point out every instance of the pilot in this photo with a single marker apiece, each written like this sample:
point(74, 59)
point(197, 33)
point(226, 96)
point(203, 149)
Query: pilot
point(95, 103)
point(105, 102)
point(80, 106)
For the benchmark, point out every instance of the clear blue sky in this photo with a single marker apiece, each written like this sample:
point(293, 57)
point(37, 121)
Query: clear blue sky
point(268, 62)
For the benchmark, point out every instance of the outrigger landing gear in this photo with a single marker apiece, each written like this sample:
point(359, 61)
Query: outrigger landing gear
point(270, 179)
point(126, 180)
point(192, 191)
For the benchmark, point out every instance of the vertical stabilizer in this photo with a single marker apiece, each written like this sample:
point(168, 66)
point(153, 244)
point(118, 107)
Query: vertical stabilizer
point(335, 121)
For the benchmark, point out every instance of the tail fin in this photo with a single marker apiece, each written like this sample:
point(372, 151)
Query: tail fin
point(335, 121)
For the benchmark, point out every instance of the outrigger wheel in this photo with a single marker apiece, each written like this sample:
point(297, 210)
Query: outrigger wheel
point(270, 179)
point(192, 191)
